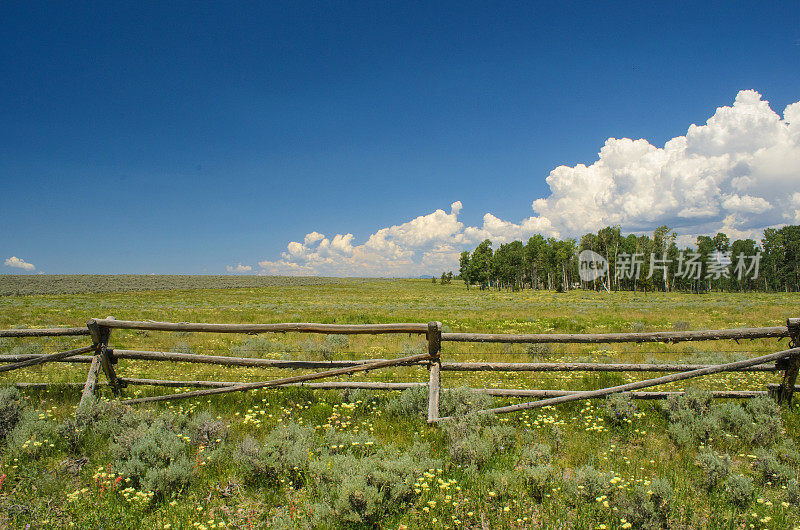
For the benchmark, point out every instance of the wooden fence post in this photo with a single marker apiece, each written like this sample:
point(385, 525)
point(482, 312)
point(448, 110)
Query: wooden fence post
point(435, 383)
point(100, 335)
point(91, 382)
point(785, 391)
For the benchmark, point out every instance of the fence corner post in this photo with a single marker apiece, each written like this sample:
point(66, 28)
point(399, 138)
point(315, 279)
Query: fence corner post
point(100, 336)
point(434, 336)
point(786, 390)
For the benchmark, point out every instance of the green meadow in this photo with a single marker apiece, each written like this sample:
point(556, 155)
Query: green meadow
point(301, 458)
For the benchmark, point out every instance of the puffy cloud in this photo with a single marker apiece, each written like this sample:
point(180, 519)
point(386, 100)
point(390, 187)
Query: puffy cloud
point(736, 173)
point(427, 243)
point(19, 263)
point(313, 237)
point(239, 268)
point(796, 206)
point(733, 171)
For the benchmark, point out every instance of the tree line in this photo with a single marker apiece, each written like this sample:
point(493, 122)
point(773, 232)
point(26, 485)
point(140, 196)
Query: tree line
point(638, 263)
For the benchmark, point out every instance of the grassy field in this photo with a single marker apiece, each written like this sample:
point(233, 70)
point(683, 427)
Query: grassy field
point(300, 458)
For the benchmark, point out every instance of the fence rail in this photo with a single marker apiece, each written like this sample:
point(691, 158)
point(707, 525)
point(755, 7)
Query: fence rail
point(602, 338)
point(104, 358)
point(328, 329)
point(44, 332)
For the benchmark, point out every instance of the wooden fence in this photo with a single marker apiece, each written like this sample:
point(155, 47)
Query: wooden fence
point(105, 358)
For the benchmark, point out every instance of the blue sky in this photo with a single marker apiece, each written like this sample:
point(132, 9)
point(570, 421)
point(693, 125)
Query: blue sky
point(191, 137)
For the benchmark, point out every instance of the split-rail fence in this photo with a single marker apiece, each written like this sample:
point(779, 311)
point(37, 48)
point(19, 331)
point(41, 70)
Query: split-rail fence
point(103, 358)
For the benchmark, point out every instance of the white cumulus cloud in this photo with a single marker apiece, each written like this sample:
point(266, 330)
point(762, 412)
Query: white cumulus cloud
point(19, 263)
point(239, 268)
point(736, 173)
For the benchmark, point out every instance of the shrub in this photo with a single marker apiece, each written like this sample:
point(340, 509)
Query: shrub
point(462, 401)
point(152, 455)
point(787, 452)
point(650, 504)
point(765, 427)
point(619, 409)
point(681, 325)
point(714, 468)
point(32, 436)
point(356, 395)
point(364, 490)
point(535, 350)
point(691, 402)
point(413, 348)
point(284, 453)
point(689, 417)
point(456, 402)
point(257, 345)
point(690, 429)
point(473, 439)
point(590, 483)
point(338, 442)
point(566, 324)
point(10, 410)
point(505, 483)
point(731, 416)
point(27, 348)
point(183, 347)
point(536, 454)
point(539, 479)
point(95, 421)
point(204, 429)
point(535, 469)
point(739, 490)
point(337, 342)
point(410, 402)
point(793, 492)
point(771, 469)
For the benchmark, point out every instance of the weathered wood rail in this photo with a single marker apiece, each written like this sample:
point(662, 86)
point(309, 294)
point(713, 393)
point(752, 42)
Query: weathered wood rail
point(104, 358)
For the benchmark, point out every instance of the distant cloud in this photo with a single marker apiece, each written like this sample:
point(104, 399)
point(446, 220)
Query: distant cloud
point(18, 263)
point(737, 174)
point(239, 268)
